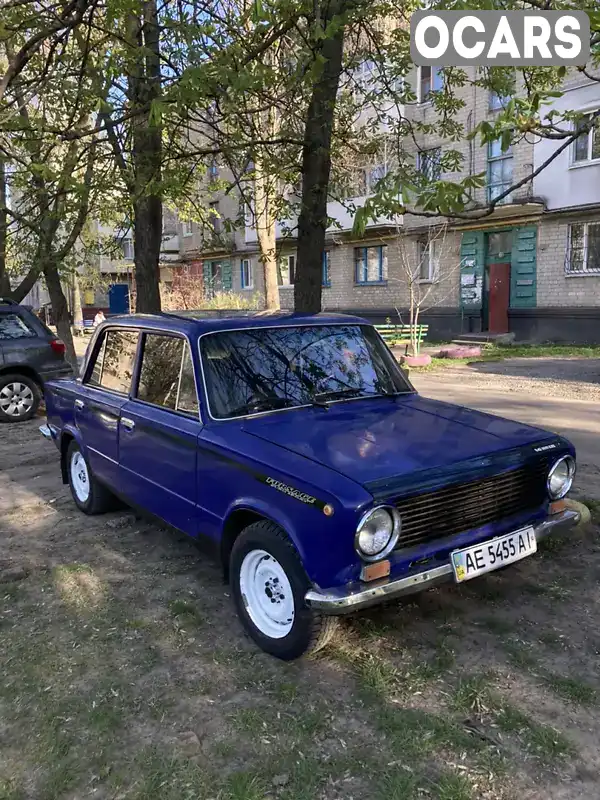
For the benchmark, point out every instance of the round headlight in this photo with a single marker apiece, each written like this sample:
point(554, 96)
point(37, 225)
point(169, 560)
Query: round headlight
point(377, 533)
point(560, 477)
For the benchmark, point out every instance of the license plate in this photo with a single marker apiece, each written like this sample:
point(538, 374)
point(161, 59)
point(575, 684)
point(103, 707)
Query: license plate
point(485, 557)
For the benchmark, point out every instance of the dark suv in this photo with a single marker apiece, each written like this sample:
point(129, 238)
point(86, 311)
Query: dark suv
point(30, 354)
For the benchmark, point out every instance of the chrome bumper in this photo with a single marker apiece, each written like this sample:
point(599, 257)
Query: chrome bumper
point(345, 599)
point(46, 432)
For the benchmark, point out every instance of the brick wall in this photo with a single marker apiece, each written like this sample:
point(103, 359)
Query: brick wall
point(554, 287)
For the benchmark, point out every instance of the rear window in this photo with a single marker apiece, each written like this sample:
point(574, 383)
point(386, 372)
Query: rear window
point(13, 326)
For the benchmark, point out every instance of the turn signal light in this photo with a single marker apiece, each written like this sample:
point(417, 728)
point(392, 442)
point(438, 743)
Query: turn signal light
point(58, 346)
point(372, 572)
point(557, 506)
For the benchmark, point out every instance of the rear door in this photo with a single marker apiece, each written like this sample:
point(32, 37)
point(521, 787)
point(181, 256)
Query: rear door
point(158, 432)
point(104, 391)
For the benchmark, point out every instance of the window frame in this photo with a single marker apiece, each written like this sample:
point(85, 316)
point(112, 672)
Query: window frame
point(504, 157)
point(133, 395)
point(428, 245)
point(249, 284)
point(425, 156)
point(434, 72)
point(591, 135)
point(186, 228)
point(290, 270)
point(103, 338)
point(326, 269)
point(584, 272)
point(381, 281)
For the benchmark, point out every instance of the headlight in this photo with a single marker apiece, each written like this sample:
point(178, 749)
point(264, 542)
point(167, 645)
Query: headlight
point(377, 533)
point(560, 477)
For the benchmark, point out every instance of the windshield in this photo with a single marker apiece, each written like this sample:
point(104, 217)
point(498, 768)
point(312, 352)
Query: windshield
point(262, 369)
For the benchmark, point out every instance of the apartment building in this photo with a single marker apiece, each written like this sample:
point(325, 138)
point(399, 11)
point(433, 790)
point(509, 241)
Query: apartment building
point(532, 267)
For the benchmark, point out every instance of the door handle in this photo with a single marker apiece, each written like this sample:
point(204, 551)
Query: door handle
point(127, 423)
point(79, 404)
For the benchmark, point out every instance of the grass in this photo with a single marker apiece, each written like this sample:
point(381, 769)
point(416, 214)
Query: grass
point(541, 740)
point(472, 695)
point(500, 353)
point(573, 690)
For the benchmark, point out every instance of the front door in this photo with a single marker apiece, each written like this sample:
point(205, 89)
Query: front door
point(104, 392)
point(498, 297)
point(496, 284)
point(158, 433)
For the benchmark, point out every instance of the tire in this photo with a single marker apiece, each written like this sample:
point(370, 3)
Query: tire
point(276, 618)
point(19, 398)
point(90, 496)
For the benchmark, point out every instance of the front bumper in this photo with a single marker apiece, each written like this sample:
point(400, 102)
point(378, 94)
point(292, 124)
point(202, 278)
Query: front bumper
point(352, 597)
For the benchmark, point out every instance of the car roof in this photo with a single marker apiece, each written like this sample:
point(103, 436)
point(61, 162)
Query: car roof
point(192, 323)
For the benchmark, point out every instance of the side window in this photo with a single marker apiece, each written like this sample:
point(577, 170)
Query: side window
point(113, 368)
point(159, 375)
point(167, 374)
point(188, 396)
point(12, 326)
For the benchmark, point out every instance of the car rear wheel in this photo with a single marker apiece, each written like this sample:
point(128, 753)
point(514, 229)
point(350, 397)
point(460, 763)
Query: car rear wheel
point(90, 496)
point(19, 398)
point(268, 587)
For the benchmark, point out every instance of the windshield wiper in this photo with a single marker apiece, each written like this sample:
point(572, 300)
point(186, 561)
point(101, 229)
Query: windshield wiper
point(338, 394)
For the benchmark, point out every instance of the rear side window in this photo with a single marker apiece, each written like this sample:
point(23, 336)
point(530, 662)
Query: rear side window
point(167, 375)
point(12, 326)
point(114, 361)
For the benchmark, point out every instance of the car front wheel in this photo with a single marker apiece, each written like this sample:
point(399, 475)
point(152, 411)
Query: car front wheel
point(19, 398)
point(268, 586)
point(90, 496)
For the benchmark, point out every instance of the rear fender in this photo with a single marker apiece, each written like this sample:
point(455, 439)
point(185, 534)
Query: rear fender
point(67, 435)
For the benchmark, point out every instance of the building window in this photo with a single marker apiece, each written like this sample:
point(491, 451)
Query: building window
point(247, 278)
point(370, 264)
point(127, 247)
point(587, 145)
point(583, 252)
point(428, 261)
point(187, 228)
point(213, 170)
point(325, 276)
point(500, 171)
point(429, 163)
point(214, 218)
point(497, 101)
point(431, 79)
point(286, 270)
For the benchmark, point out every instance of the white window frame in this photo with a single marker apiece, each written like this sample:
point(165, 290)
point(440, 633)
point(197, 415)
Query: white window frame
point(584, 270)
point(435, 71)
point(127, 246)
point(187, 228)
point(246, 263)
point(591, 134)
point(426, 245)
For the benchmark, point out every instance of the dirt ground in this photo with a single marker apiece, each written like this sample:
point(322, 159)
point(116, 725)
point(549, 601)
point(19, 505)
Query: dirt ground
point(125, 674)
point(560, 394)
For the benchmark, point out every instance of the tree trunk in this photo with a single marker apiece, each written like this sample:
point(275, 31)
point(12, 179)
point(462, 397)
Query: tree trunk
point(60, 310)
point(4, 280)
point(77, 309)
point(316, 166)
point(143, 89)
point(266, 233)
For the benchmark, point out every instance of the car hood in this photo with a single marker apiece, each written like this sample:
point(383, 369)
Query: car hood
point(373, 440)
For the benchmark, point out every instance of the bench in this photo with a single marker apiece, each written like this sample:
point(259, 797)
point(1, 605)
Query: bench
point(86, 327)
point(400, 335)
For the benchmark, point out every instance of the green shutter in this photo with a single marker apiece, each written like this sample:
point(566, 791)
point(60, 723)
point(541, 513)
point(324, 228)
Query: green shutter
point(523, 273)
point(226, 276)
point(472, 255)
point(207, 277)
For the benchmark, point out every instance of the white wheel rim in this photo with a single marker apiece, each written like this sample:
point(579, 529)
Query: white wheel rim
point(16, 399)
point(267, 594)
point(80, 480)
